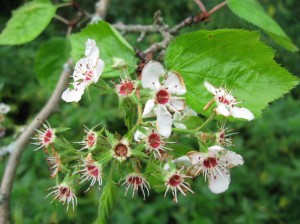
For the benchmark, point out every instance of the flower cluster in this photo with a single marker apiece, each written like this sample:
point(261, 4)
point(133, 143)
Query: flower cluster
point(150, 151)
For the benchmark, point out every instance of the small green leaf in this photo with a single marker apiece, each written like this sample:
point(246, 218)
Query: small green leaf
point(27, 23)
point(50, 59)
point(107, 201)
point(253, 12)
point(232, 58)
point(110, 43)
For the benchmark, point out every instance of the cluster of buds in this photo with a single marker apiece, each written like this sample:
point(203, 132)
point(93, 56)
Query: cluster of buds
point(147, 150)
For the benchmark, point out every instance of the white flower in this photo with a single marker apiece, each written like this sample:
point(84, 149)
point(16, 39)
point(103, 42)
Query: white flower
point(179, 117)
point(90, 171)
point(4, 109)
point(215, 165)
point(90, 140)
point(164, 98)
point(136, 181)
point(54, 164)
point(154, 142)
point(45, 137)
point(226, 103)
point(87, 71)
point(176, 181)
point(63, 193)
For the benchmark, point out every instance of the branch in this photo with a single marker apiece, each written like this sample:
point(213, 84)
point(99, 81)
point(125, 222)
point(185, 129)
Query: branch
point(216, 8)
point(21, 142)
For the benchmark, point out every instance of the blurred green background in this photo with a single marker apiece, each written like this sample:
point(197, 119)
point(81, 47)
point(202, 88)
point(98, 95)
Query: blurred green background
point(265, 190)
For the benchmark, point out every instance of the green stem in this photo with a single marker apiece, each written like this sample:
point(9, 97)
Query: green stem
point(209, 119)
point(64, 4)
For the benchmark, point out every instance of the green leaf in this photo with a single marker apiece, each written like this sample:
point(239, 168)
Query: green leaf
point(253, 12)
point(110, 43)
point(192, 122)
point(50, 59)
point(27, 23)
point(107, 201)
point(232, 58)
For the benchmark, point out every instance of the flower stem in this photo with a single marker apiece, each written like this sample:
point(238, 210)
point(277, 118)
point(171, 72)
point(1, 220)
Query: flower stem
point(184, 131)
point(209, 119)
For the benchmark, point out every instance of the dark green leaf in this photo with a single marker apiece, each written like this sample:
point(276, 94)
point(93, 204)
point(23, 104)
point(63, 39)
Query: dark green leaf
point(50, 60)
point(253, 12)
point(27, 23)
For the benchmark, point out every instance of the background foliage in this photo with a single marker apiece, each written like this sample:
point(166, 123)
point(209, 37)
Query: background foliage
point(264, 190)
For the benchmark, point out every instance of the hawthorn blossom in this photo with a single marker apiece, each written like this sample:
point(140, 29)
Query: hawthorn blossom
point(54, 164)
point(154, 141)
point(226, 103)
point(91, 170)
point(136, 181)
point(90, 140)
point(121, 150)
point(176, 181)
point(223, 136)
point(215, 165)
point(87, 71)
point(4, 108)
point(125, 88)
point(164, 99)
point(63, 193)
point(44, 137)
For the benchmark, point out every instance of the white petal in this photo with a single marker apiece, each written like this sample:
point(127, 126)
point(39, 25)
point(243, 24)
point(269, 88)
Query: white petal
point(222, 110)
point(91, 50)
point(164, 121)
point(151, 74)
point(195, 157)
point(210, 88)
point(241, 112)
point(178, 105)
point(179, 125)
point(148, 110)
point(138, 136)
point(4, 109)
point(98, 70)
point(71, 95)
point(175, 84)
point(217, 148)
point(189, 112)
point(219, 182)
point(231, 159)
point(182, 161)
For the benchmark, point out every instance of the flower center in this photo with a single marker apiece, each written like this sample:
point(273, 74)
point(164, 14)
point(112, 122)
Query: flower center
point(93, 170)
point(121, 150)
point(223, 99)
point(126, 88)
point(65, 191)
point(135, 180)
point(162, 96)
point(90, 140)
point(88, 75)
point(175, 180)
point(210, 162)
point(48, 135)
point(154, 140)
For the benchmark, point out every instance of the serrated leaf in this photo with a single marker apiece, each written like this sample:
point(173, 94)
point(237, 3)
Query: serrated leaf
point(253, 12)
point(232, 58)
point(107, 201)
point(110, 43)
point(27, 23)
point(50, 59)
point(110, 137)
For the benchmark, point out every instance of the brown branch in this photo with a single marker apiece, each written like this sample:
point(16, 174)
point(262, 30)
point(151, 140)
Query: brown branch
point(21, 142)
point(201, 6)
point(216, 8)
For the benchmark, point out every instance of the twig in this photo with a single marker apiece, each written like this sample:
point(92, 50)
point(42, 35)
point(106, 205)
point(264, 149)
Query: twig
point(201, 6)
point(216, 8)
point(21, 142)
